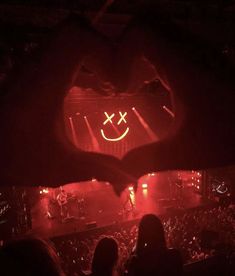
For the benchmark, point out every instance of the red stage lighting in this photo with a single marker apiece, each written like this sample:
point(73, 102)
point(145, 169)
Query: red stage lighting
point(95, 142)
point(145, 125)
point(168, 111)
point(131, 188)
point(44, 191)
point(144, 186)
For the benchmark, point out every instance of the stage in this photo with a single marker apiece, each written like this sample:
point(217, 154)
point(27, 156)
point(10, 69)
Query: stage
point(94, 204)
point(114, 125)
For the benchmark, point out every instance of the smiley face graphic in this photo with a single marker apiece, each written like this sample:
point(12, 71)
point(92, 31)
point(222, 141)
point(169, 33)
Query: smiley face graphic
point(108, 120)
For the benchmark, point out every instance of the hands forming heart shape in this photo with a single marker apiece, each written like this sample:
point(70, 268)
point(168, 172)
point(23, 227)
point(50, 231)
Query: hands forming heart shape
point(34, 147)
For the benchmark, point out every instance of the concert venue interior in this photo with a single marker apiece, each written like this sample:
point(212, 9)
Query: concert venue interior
point(112, 110)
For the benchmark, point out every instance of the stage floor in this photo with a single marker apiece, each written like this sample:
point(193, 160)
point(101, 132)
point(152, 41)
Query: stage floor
point(94, 204)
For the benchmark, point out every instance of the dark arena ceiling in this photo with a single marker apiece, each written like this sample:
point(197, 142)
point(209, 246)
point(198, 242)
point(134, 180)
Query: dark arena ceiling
point(117, 45)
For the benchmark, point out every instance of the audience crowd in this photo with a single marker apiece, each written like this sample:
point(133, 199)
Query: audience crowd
point(186, 232)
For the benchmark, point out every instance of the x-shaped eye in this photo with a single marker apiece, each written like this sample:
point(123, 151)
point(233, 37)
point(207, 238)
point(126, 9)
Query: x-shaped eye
point(122, 118)
point(109, 118)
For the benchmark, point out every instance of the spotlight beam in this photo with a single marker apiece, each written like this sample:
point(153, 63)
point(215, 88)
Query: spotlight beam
point(115, 129)
point(95, 142)
point(147, 128)
point(74, 135)
point(168, 111)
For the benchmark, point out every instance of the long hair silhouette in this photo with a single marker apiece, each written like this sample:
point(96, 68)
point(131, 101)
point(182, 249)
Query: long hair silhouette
point(151, 235)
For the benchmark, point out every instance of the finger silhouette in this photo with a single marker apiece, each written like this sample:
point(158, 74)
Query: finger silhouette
point(35, 149)
point(201, 82)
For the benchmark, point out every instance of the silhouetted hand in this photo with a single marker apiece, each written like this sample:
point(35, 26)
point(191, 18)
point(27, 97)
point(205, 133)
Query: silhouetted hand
point(200, 83)
point(35, 149)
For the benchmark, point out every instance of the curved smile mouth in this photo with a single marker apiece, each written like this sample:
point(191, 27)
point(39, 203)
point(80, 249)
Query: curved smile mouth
point(115, 139)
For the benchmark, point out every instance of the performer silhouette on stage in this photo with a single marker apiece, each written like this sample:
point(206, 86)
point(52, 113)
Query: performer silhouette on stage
point(62, 199)
point(129, 205)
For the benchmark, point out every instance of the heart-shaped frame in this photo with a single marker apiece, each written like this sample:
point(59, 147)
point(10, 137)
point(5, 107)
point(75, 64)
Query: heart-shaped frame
point(35, 150)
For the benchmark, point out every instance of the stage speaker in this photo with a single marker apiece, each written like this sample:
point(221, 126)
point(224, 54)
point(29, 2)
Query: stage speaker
point(91, 224)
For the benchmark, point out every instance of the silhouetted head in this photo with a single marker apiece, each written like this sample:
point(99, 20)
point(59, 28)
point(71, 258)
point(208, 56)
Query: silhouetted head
point(32, 257)
point(105, 257)
point(150, 235)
